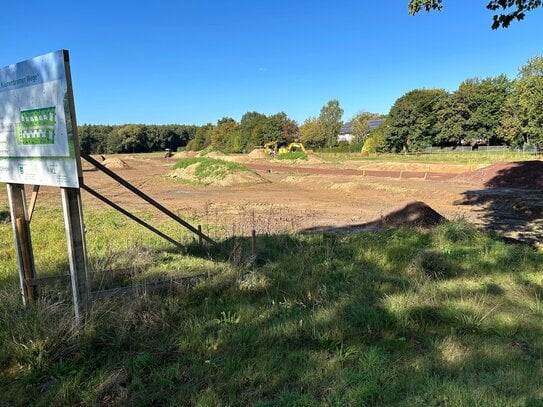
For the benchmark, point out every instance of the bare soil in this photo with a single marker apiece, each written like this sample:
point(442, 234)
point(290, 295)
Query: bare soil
point(326, 196)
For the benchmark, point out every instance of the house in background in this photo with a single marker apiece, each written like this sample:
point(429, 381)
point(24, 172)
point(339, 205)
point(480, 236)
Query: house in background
point(345, 134)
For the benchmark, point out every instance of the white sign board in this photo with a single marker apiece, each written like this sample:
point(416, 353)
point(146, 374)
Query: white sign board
point(37, 144)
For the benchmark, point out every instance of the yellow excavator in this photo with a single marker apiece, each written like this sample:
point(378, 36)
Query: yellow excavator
point(272, 148)
point(292, 148)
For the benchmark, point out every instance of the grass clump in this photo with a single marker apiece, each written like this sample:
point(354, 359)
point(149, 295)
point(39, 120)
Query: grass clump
point(295, 155)
point(400, 317)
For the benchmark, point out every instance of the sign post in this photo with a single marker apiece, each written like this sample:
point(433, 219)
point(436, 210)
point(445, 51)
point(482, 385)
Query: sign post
point(39, 146)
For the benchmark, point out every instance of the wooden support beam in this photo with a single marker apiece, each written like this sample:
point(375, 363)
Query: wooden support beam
point(131, 216)
point(23, 237)
point(32, 282)
point(147, 198)
point(32, 205)
point(77, 252)
point(23, 241)
point(147, 287)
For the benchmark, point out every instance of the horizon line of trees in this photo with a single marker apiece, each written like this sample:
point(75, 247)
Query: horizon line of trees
point(493, 110)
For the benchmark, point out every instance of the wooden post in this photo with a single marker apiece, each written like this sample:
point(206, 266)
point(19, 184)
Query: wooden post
point(23, 242)
point(200, 240)
point(23, 236)
point(253, 243)
point(77, 251)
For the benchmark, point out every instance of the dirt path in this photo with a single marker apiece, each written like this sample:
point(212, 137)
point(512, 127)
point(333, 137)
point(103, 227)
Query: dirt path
point(432, 176)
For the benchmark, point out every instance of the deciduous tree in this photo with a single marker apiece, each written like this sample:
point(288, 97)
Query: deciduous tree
point(523, 118)
point(311, 133)
point(506, 10)
point(330, 122)
point(411, 123)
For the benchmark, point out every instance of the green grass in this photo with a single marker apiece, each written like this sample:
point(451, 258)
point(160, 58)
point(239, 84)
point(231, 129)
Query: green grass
point(448, 317)
point(472, 157)
point(295, 155)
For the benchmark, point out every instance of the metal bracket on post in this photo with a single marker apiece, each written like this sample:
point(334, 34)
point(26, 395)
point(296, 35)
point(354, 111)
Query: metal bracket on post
point(23, 242)
point(77, 252)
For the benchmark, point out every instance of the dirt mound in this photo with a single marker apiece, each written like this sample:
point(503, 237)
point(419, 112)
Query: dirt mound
point(522, 174)
point(185, 154)
point(414, 213)
point(258, 153)
point(215, 154)
point(190, 175)
point(115, 163)
point(313, 159)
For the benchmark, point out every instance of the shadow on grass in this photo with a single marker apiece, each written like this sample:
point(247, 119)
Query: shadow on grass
point(389, 318)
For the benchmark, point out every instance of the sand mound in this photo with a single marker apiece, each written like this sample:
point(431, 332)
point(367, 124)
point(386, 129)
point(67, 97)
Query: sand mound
point(414, 213)
point(216, 154)
point(236, 178)
point(312, 159)
point(522, 174)
point(258, 153)
point(185, 154)
point(236, 158)
point(115, 164)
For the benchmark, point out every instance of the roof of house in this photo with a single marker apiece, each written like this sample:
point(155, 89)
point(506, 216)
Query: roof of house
point(347, 127)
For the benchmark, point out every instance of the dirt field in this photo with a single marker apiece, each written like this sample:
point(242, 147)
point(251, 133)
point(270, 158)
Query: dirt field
point(317, 195)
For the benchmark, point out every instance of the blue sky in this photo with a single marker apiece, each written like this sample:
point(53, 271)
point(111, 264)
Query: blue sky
point(193, 62)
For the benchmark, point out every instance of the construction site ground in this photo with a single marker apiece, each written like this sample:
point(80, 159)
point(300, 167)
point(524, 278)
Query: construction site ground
point(326, 196)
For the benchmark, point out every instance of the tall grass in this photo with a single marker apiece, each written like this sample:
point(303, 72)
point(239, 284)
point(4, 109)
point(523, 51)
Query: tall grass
point(446, 317)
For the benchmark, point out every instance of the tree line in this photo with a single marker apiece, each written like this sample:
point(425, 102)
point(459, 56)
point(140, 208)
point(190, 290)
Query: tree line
point(494, 110)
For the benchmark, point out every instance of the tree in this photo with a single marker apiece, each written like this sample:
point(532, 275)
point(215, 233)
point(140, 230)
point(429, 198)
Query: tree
point(202, 138)
point(361, 125)
point(473, 112)
point(311, 133)
point(247, 125)
point(513, 9)
point(523, 118)
point(375, 143)
point(225, 133)
point(330, 122)
point(289, 129)
point(411, 124)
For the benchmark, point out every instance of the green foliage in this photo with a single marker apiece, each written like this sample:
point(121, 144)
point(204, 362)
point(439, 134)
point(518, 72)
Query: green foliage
point(223, 134)
point(513, 9)
point(295, 155)
point(311, 133)
point(133, 138)
point(448, 317)
point(375, 143)
point(202, 138)
point(330, 122)
point(473, 112)
point(411, 123)
point(361, 126)
point(523, 118)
